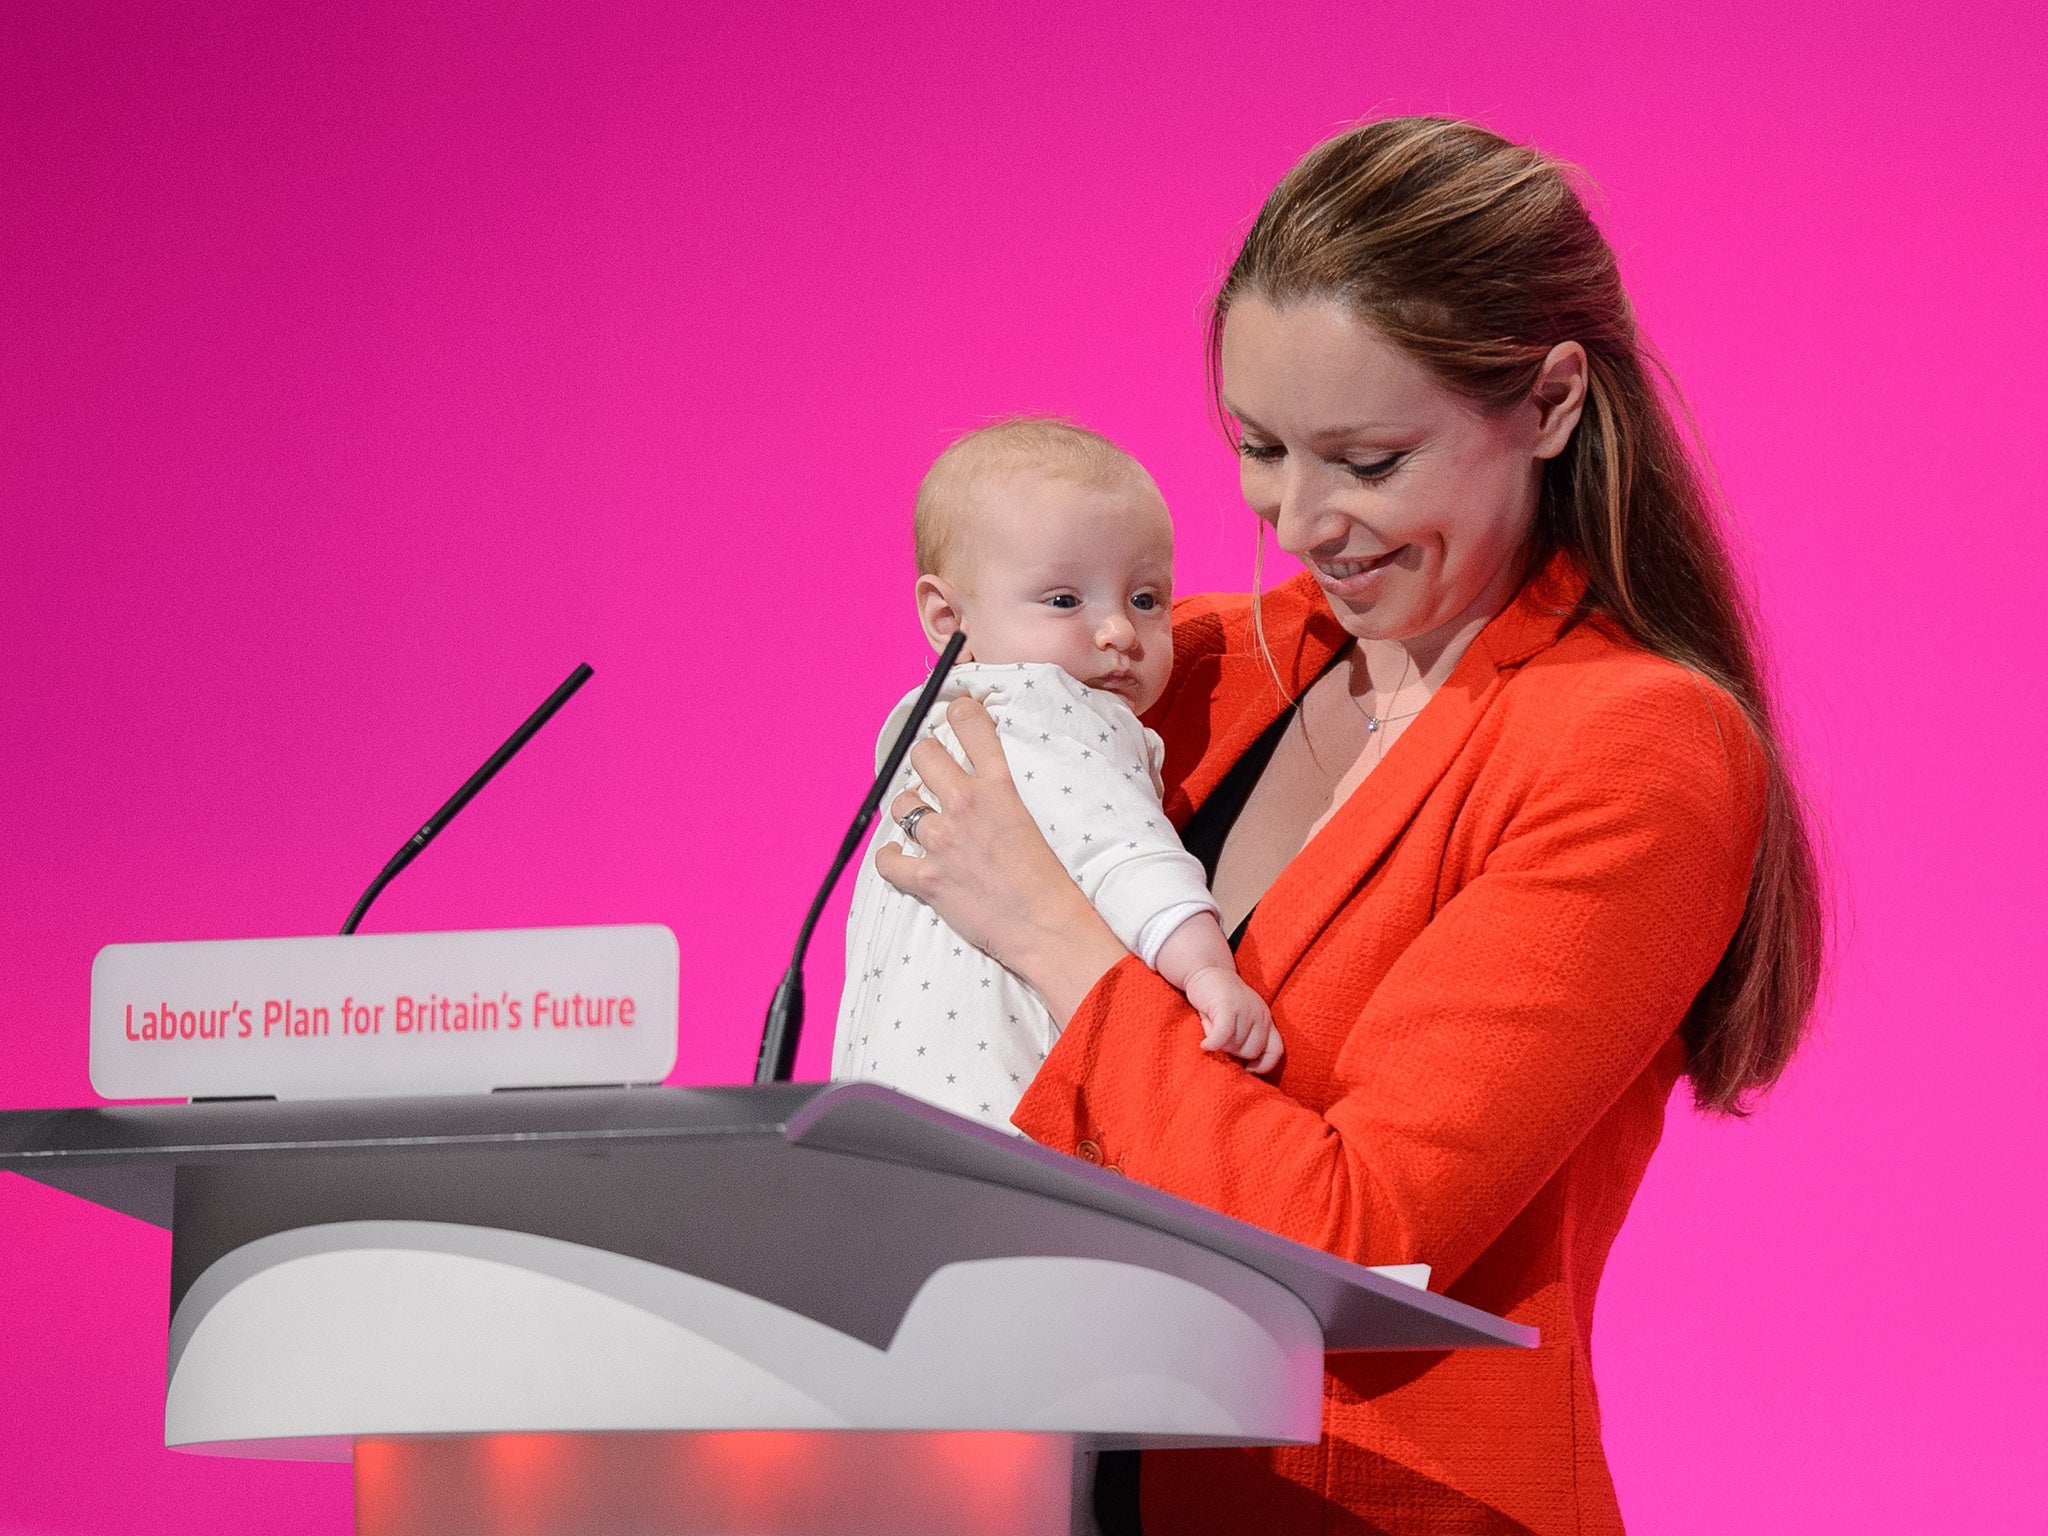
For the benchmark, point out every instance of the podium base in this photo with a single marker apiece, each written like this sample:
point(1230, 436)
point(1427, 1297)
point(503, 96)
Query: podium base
point(746, 1483)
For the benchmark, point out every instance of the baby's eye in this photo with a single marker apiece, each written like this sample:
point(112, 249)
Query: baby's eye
point(1064, 600)
point(1145, 602)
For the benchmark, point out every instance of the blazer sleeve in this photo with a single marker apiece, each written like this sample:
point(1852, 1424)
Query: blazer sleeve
point(1498, 1038)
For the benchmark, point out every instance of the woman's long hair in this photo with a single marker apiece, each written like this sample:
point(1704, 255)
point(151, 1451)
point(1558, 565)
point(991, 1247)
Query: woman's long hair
point(1477, 257)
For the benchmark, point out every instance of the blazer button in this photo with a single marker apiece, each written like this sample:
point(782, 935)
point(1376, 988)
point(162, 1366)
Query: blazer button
point(1089, 1152)
point(1112, 1168)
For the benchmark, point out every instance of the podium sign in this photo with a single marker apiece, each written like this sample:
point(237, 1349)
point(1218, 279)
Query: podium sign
point(378, 1015)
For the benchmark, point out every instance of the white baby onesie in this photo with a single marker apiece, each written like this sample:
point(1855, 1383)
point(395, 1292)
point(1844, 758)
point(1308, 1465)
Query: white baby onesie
point(925, 1011)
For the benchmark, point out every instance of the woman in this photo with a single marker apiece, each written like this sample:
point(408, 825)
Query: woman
point(1493, 796)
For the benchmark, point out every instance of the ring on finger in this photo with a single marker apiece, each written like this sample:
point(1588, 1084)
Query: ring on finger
point(909, 823)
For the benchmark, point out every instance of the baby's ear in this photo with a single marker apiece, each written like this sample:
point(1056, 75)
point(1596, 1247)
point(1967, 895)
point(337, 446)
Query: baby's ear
point(938, 610)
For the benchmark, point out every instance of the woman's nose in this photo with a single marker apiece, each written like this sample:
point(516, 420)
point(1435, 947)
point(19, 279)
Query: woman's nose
point(1304, 521)
point(1116, 633)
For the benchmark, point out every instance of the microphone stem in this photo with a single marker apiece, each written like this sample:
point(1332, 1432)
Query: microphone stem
point(776, 1061)
point(467, 793)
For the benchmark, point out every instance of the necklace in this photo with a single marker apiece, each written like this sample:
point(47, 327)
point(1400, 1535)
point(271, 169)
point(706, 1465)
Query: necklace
point(1373, 722)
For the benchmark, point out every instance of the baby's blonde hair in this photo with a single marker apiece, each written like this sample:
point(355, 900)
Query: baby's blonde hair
point(1049, 446)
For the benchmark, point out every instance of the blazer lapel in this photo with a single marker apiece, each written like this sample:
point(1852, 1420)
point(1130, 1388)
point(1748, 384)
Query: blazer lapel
point(1325, 874)
point(1304, 636)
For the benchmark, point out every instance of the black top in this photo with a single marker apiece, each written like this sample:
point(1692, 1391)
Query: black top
point(1117, 1472)
point(1209, 828)
point(1115, 1497)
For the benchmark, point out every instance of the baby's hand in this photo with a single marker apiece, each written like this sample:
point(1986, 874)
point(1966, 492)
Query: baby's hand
point(1237, 1018)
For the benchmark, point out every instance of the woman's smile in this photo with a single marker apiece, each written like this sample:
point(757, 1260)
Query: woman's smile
point(1355, 578)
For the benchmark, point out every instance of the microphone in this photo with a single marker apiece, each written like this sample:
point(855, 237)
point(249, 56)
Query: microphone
point(467, 793)
point(777, 1058)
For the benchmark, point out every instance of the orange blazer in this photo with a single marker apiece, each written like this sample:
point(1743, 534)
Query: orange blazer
point(1479, 967)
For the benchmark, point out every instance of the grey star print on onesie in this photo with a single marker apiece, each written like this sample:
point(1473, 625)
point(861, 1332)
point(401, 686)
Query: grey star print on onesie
point(925, 1011)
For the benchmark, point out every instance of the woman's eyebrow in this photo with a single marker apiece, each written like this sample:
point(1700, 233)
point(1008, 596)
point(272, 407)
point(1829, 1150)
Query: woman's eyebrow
point(1327, 434)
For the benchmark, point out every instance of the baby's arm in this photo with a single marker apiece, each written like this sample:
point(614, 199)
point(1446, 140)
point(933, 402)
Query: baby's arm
point(1196, 958)
point(1088, 773)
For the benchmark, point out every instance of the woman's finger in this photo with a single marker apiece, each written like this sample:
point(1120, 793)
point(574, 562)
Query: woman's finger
point(907, 874)
point(907, 802)
point(943, 776)
point(976, 729)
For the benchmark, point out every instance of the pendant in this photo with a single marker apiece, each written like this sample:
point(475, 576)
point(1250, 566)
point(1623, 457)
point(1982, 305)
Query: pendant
point(1372, 723)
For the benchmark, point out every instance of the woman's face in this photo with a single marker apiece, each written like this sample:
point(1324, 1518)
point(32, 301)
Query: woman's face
point(1411, 505)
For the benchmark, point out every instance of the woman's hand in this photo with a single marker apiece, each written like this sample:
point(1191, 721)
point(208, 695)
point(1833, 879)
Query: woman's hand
point(988, 871)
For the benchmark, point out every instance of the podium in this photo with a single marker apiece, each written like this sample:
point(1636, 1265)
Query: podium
point(781, 1311)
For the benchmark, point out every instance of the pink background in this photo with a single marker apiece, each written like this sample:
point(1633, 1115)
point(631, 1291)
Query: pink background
point(362, 372)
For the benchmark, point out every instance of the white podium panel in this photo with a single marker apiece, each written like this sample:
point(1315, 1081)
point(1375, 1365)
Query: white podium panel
point(300, 1344)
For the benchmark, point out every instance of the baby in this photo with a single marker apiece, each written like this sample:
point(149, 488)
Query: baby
point(1052, 548)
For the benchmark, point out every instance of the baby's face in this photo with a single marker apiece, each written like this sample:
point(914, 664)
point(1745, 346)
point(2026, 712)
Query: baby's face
point(1077, 575)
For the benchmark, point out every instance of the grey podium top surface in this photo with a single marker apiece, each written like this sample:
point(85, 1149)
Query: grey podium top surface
point(125, 1157)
